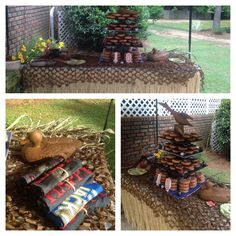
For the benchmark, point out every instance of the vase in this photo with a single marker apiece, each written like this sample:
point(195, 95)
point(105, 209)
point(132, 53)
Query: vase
point(13, 65)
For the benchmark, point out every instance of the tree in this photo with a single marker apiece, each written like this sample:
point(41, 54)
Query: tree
point(217, 19)
point(155, 12)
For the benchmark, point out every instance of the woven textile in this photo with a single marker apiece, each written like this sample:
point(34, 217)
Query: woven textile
point(64, 189)
point(72, 205)
point(52, 178)
point(149, 73)
point(100, 201)
point(39, 170)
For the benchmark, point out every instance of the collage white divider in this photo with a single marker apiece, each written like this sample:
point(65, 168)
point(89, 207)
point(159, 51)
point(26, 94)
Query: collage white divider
point(118, 98)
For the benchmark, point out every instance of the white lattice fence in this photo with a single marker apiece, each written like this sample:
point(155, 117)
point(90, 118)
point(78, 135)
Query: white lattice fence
point(147, 107)
point(213, 142)
point(64, 31)
point(138, 107)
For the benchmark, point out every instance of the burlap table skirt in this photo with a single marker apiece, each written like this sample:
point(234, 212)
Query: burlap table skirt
point(141, 216)
point(148, 207)
point(110, 80)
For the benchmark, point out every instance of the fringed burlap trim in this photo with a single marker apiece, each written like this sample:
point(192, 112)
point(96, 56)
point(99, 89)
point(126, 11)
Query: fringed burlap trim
point(147, 206)
point(34, 83)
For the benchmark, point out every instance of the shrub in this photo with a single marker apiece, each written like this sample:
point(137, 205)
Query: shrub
point(155, 12)
point(222, 119)
point(142, 20)
point(89, 23)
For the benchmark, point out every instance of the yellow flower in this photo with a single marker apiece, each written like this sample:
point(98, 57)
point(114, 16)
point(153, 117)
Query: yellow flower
point(158, 154)
point(23, 48)
point(13, 58)
point(20, 55)
point(32, 50)
point(44, 44)
point(41, 39)
point(42, 49)
point(49, 41)
point(60, 44)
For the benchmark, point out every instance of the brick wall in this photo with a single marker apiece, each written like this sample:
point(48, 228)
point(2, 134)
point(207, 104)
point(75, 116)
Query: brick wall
point(24, 22)
point(138, 133)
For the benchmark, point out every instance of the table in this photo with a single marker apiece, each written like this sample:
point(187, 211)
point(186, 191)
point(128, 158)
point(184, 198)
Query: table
point(148, 207)
point(149, 77)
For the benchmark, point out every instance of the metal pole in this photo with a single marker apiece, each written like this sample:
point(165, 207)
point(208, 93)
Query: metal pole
point(190, 32)
point(157, 121)
point(108, 112)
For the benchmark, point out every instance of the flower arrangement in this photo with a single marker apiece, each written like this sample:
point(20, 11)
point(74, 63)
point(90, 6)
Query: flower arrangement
point(158, 154)
point(54, 45)
point(35, 48)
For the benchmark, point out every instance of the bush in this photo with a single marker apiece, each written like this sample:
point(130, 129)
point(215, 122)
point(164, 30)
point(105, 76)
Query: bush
point(155, 12)
point(142, 20)
point(89, 23)
point(222, 119)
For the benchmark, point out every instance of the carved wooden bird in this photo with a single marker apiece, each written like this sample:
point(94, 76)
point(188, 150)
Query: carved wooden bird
point(36, 148)
point(180, 117)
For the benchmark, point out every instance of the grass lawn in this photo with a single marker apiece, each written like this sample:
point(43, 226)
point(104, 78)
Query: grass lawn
point(212, 57)
point(90, 113)
point(197, 25)
point(219, 177)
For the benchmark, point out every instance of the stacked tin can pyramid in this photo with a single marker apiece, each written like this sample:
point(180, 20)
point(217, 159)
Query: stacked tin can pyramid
point(122, 42)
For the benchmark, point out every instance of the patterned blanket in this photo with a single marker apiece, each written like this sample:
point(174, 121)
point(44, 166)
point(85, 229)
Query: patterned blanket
point(100, 201)
point(64, 189)
point(52, 178)
point(71, 206)
point(38, 171)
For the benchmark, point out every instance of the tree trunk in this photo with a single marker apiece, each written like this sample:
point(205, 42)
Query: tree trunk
point(217, 18)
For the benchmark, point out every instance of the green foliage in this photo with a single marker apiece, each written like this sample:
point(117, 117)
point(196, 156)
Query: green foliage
point(89, 23)
point(225, 12)
point(210, 9)
point(204, 9)
point(30, 50)
point(155, 12)
point(222, 119)
point(13, 82)
point(142, 20)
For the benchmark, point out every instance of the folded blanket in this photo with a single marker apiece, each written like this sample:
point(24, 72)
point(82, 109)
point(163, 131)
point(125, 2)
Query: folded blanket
point(72, 205)
point(100, 201)
point(64, 189)
point(38, 171)
point(52, 178)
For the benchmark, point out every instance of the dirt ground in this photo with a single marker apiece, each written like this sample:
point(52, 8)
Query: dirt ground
point(218, 162)
point(20, 102)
